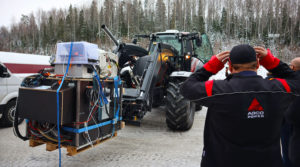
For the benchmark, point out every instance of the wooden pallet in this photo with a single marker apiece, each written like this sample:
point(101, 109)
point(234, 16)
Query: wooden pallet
point(72, 150)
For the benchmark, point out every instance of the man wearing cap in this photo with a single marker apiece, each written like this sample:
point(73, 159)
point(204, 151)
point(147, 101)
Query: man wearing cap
point(245, 111)
point(293, 118)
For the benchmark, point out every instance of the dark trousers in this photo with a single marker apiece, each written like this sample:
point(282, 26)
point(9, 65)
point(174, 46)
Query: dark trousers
point(286, 131)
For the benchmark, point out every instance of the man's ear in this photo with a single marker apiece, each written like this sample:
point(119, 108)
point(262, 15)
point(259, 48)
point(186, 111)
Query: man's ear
point(230, 67)
point(292, 67)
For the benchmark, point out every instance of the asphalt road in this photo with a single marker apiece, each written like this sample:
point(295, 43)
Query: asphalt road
point(151, 145)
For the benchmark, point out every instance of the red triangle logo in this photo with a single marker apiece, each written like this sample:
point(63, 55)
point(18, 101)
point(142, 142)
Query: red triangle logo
point(255, 106)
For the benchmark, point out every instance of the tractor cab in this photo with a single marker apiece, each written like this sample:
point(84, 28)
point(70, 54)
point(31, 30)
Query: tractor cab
point(193, 48)
point(187, 44)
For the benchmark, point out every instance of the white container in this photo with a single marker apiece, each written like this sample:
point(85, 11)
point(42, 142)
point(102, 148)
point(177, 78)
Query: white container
point(108, 64)
point(82, 53)
point(75, 71)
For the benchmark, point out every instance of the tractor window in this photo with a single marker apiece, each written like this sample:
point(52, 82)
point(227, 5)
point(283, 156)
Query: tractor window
point(167, 39)
point(188, 46)
point(204, 52)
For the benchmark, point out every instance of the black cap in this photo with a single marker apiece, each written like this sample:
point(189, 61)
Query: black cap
point(242, 54)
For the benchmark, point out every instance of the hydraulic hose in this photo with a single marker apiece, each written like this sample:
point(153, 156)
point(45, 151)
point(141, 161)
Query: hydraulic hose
point(16, 124)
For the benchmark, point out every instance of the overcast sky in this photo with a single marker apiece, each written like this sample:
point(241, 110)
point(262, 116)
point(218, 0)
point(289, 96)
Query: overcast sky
point(12, 10)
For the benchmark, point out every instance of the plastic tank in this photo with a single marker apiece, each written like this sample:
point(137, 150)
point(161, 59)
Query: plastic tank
point(82, 53)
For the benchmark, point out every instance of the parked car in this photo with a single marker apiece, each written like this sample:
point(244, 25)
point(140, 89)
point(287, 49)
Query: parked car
point(14, 67)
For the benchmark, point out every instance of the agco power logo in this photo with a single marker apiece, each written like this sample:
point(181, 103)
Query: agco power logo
point(255, 110)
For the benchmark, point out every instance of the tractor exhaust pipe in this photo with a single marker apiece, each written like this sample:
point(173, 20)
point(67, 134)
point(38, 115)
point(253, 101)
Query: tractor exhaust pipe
point(106, 30)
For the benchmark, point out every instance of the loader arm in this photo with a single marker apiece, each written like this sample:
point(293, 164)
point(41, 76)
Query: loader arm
point(152, 70)
point(155, 69)
point(150, 74)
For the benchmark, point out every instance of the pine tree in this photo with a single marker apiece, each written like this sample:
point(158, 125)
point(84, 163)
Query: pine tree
point(108, 12)
point(141, 17)
point(76, 25)
point(5, 40)
point(160, 17)
point(297, 26)
point(45, 36)
point(122, 23)
point(216, 25)
point(188, 17)
point(201, 22)
point(93, 20)
point(151, 22)
point(24, 30)
point(102, 21)
point(51, 31)
point(82, 26)
point(61, 30)
point(223, 22)
point(135, 17)
point(173, 18)
point(265, 35)
point(178, 20)
point(69, 25)
point(232, 24)
point(249, 18)
point(33, 32)
point(284, 23)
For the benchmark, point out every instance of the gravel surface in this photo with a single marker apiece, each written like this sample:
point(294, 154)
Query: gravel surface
point(152, 144)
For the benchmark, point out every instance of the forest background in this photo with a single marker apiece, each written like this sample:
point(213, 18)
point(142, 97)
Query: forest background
point(270, 23)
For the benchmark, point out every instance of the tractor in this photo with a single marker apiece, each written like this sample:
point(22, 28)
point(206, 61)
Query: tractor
point(152, 76)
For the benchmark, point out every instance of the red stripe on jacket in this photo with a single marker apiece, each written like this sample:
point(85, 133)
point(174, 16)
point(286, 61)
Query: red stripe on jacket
point(269, 62)
point(208, 87)
point(285, 84)
point(214, 65)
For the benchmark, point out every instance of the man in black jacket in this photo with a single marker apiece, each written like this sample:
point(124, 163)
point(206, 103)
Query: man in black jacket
point(245, 111)
point(293, 117)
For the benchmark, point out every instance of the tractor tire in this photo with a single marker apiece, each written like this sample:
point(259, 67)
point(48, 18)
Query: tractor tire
point(157, 97)
point(8, 115)
point(179, 111)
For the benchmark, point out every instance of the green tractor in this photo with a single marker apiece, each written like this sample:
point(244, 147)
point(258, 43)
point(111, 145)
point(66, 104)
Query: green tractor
point(152, 77)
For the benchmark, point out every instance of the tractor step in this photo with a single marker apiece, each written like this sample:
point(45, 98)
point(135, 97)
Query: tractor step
point(136, 122)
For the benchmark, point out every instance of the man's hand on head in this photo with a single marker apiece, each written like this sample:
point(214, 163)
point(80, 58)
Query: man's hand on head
point(216, 63)
point(223, 56)
point(261, 52)
point(266, 58)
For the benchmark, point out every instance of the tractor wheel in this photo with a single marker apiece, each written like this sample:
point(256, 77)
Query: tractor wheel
point(179, 111)
point(8, 115)
point(157, 97)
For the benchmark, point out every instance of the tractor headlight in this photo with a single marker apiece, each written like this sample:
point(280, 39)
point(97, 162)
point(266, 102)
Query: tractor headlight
point(187, 57)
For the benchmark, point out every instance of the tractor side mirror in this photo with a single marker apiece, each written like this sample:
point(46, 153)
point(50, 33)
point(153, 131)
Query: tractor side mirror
point(3, 72)
point(134, 41)
point(199, 41)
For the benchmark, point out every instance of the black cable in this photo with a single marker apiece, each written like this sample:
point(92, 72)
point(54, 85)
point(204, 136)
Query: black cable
point(16, 125)
point(105, 107)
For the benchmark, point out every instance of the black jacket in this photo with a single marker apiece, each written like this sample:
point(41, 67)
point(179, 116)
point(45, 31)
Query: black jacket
point(293, 117)
point(245, 112)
